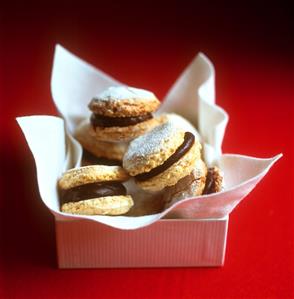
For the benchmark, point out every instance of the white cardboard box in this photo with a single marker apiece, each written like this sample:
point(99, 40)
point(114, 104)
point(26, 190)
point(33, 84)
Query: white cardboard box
point(166, 243)
point(152, 240)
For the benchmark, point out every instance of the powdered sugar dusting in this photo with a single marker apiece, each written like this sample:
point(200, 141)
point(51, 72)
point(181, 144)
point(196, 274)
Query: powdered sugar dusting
point(152, 142)
point(123, 93)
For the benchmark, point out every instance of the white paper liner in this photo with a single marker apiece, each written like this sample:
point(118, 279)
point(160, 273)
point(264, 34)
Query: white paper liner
point(74, 82)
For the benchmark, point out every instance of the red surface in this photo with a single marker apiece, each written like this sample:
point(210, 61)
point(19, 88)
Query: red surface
point(251, 48)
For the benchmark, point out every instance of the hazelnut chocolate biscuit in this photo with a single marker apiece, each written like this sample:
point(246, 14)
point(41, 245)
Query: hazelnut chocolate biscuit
point(122, 113)
point(100, 149)
point(94, 190)
point(189, 186)
point(162, 157)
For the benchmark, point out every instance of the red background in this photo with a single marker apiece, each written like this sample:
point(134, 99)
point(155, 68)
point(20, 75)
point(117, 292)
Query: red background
point(148, 46)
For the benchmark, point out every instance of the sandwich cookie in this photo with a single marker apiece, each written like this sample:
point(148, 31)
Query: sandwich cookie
point(94, 190)
point(112, 151)
point(122, 113)
point(162, 157)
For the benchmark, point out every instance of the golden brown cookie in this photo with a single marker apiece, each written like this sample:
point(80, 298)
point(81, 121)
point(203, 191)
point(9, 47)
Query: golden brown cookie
point(109, 205)
point(162, 157)
point(124, 101)
point(94, 190)
point(122, 113)
point(189, 186)
point(91, 174)
point(101, 149)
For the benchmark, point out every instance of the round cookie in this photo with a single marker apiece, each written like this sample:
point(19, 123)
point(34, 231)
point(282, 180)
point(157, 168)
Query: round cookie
point(124, 101)
point(94, 190)
point(91, 174)
point(109, 205)
point(189, 186)
point(122, 113)
point(100, 149)
point(162, 157)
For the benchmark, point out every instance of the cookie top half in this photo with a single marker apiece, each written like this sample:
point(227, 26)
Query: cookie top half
point(154, 148)
point(91, 174)
point(124, 101)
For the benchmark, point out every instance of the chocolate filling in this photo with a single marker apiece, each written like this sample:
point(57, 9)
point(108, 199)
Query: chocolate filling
point(90, 159)
point(189, 140)
point(105, 121)
point(210, 184)
point(93, 190)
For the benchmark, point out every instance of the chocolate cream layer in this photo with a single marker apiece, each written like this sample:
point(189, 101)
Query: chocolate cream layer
point(105, 121)
point(188, 142)
point(93, 190)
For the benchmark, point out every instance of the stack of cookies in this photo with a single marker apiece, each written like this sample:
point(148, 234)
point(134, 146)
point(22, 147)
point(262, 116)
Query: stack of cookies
point(119, 114)
point(161, 154)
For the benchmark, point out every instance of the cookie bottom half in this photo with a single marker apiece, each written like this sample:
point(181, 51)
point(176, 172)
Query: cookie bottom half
point(109, 205)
